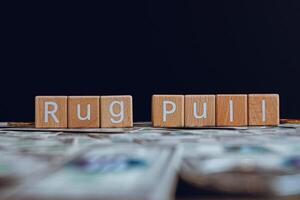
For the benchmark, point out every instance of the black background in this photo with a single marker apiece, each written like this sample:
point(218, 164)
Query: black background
point(146, 47)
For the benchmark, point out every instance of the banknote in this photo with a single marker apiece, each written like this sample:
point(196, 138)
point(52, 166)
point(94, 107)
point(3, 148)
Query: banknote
point(111, 172)
point(71, 130)
point(17, 170)
point(142, 162)
point(243, 168)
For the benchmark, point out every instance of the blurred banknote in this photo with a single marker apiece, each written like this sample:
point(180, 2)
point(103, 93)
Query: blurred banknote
point(119, 171)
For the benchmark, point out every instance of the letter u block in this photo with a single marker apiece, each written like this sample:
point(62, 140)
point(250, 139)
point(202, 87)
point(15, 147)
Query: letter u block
point(168, 110)
point(199, 110)
point(84, 111)
point(51, 111)
point(116, 111)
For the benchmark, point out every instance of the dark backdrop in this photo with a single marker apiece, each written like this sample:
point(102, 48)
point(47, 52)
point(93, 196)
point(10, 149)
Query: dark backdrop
point(146, 47)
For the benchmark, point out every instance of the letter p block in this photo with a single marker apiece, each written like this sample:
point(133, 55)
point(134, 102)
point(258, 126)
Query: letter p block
point(51, 111)
point(168, 110)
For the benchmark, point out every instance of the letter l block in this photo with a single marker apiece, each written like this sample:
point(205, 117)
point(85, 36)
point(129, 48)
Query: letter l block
point(51, 111)
point(263, 109)
point(231, 110)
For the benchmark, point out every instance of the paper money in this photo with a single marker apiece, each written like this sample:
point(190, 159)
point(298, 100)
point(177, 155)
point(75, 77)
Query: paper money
point(111, 172)
point(141, 162)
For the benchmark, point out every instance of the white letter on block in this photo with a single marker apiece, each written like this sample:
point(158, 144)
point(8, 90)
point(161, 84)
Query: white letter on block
point(231, 110)
point(88, 113)
point(120, 114)
point(47, 112)
point(165, 111)
point(204, 115)
point(263, 110)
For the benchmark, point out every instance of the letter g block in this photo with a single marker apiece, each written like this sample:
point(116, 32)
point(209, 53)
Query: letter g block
point(168, 110)
point(116, 111)
point(51, 111)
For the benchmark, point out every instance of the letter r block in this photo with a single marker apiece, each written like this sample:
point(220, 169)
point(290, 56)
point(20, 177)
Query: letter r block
point(199, 110)
point(116, 111)
point(231, 110)
point(84, 111)
point(168, 110)
point(263, 109)
point(51, 111)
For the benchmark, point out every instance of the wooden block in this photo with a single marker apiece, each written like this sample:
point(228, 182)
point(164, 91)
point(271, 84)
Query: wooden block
point(199, 110)
point(231, 110)
point(116, 111)
point(168, 110)
point(263, 109)
point(84, 111)
point(51, 111)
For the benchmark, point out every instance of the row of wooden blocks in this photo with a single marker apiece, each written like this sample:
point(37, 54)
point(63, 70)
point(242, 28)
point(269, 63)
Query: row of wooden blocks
point(167, 111)
point(83, 111)
point(215, 110)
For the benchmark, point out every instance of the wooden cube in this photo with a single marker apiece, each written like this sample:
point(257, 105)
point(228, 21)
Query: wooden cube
point(51, 111)
point(231, 110)
point(168, 110)
point(116, 111)
point(263, 109)
point(84, 111)
point(199, 110)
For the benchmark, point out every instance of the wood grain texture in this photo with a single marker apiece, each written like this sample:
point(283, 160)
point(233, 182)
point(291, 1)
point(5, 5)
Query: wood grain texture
point(238, 116)
point(108, 120)
point(175, 119)
point(88, 105)
point(263, 109)
point(198, 119)
point(61, 114)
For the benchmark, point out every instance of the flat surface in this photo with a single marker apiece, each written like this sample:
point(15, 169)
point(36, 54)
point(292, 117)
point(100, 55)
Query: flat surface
point(215, 163)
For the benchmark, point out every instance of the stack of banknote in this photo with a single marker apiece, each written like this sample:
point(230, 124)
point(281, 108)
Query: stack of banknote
point(146, 163)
